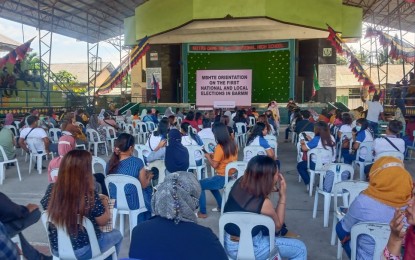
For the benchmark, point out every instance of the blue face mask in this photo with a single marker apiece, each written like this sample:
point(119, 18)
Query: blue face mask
point(358, 127)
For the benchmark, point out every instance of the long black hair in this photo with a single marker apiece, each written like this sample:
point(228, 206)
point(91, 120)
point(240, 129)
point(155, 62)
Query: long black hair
point(121, 144)
point(256, 131)
point(223, 139)
point(321, 129)
point(185, 128)
point(190, 116)
point(162, 128)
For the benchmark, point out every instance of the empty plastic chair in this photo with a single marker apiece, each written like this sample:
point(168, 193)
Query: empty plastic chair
point(3, 165)
point(98, 161)
point(94, 139)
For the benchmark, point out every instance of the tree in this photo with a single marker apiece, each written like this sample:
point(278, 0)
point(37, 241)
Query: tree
point(340, 60)
point(67, 78)
point(31, 62)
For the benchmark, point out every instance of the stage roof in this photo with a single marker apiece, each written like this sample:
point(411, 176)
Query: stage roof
point(97, 20)
point(387, 13)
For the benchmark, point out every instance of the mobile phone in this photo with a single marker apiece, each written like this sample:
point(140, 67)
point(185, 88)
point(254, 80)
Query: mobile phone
point(305, 136)
point(203, 150)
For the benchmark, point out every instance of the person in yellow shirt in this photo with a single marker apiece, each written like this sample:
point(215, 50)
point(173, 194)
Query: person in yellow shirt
point(225, 152)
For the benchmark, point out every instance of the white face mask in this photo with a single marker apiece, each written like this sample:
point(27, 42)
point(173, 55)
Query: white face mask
point(358, 128)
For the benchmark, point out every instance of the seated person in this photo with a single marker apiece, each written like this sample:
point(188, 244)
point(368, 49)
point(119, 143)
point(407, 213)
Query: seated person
point(251, 193)
point(390, 188)
point(157, 142)
point(177, 156)
point(362, 134)
point(15, 219)
point(206, 132)
point(9, 249)
point(304, 125)
point(174, 206)
point(256, 137)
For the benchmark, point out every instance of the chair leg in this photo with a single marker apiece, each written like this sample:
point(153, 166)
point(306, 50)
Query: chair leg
point(96, 149)
point(18, 170)
point(326, 212)
point(339, 250)
point(39, 164)
point(106, 148)
point(333, 230)
point(362, 171)
point(1, 174)
point(122, 224)
point(315, 205)
point(312, 176)
point(30, 164)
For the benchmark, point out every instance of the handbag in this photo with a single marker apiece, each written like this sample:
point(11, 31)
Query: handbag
point(346, 143)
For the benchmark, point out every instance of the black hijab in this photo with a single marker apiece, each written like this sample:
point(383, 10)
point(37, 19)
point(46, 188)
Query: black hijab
point(177, 156)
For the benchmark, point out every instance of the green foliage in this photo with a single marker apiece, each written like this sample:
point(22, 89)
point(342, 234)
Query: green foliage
point(31, 62)
point(67, 78)
point(340, 60)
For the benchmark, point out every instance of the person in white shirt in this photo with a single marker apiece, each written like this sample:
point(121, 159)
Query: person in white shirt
point(374, 110)
point(206, 132)
point(35, 135)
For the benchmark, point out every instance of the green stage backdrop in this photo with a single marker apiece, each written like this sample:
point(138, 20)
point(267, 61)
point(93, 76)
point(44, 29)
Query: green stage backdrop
point(270, 72)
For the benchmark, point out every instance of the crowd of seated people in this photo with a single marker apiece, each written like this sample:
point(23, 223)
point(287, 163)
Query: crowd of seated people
point(174, 205)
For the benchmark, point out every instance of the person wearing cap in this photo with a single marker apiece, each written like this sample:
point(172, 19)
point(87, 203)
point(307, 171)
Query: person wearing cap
point(390, 187)
point(174, 206)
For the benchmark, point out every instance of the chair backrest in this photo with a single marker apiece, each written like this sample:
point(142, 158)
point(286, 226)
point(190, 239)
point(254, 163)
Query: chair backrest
point(319, 153)
point(369, 155)
point(3, 153)
point(34, 145)
point(79, 124)
point(179, 120)
point(129, 128)
point(195, 156)
point(55, 134)
point(92, 135)
point(120, 124)
point(253, 150)
point(251, 121)
point(377, 231)
point(54, 173)
point(110, 132)
point(99, 161)
point(241, 128)
point(191, 129)
point(17, 124)
point(120, 180)
point(13, 129)
point(337, 169)
point(151, 126)
point(353, 188)
point(239, 166)
point(142, 127)
point(246, 222)
point(272, 141)
point(209, 144)
point(141, 151)
point(395, 154)
point(64, 241)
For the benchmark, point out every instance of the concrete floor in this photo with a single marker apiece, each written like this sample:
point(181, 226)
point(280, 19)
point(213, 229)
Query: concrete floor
point(298, 215)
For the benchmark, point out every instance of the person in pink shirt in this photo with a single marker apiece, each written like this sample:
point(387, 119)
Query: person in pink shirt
point(65, 145)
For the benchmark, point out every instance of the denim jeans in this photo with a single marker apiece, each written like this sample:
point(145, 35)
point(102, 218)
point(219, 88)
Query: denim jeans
point(302, 170)
point(289, 248)
point(348, 157)
point(106, 241)
point(287, 132)
point(374, 126)
point(214, 184)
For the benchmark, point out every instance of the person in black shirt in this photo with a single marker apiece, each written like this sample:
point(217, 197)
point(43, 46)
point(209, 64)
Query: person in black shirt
point(304, 124)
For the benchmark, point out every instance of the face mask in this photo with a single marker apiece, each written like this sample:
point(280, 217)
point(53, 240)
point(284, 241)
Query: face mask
point(358, 127)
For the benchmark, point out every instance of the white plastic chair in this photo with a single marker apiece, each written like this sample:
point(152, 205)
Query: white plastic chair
point(120, 180)
point(54, 173)
point(246, 222)
point(54, 134)
point(110, 135)
point(377, 231)
point(142, 131)
point(301, 136)
point(141, 151)
point(34, 155)
point(92, 136)
point(129, 128)
point(3, 165)
point(344, 135)
point(226, 190)
point(395, 154)
point(65, 245)
point(17, 124)
point(16, 240)
point(319, 153)
point(179, 120)
point(97, 160)
point(353, 188)
point(337, 169)
point(79, 124)
point(252, 121)
point(120, 124)
point(194, 152)
point(240, 134)
point(368, 159)
point(239, 166)
point(253, 150)
point(151, 126)
point(208, 143)
point(13, 129)
point(272, 141)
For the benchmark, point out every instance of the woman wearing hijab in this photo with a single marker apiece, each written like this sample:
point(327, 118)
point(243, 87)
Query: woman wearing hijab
point(65, 145)
point(101, 114)
point(168, 112)
point(390, 187)
point(177, 156)
point(174, 206)
point(9, 119)
point(273, 106)
point(401, 237)
point(143, 113)
point(128, 117)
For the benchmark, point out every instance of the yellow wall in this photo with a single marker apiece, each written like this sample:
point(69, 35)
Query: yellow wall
point(158, 16)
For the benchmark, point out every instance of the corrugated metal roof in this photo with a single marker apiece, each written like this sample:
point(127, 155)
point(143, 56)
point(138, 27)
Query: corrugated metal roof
point(7, 44)
point(80, 70)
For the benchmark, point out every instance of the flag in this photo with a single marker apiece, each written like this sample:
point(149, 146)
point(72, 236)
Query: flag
point(156, 86)
point(316, 85)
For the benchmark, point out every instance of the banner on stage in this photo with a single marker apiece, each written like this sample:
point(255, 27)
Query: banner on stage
point(223, 88)
point(149, 77)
